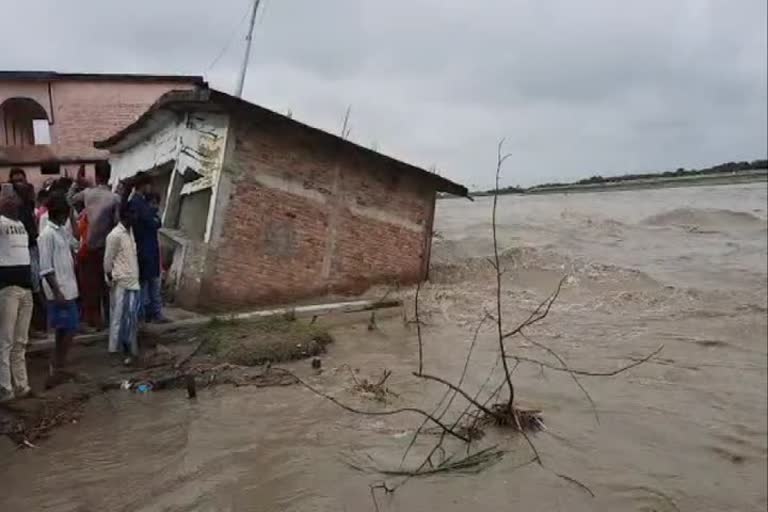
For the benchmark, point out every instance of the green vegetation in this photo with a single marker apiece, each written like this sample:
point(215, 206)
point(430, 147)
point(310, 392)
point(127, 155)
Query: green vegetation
point(729, 168)
point(254, 342)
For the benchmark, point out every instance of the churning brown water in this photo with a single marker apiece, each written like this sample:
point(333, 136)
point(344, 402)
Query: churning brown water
point(683, 268)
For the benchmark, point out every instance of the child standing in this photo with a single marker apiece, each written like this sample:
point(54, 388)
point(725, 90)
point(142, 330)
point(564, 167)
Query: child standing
point(57, 245)
point(121, 269)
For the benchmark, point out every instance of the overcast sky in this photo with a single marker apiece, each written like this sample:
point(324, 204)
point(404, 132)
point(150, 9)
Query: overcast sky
point(576, 87)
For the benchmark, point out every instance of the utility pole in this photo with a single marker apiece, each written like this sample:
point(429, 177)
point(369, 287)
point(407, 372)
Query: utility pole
point(246, 57)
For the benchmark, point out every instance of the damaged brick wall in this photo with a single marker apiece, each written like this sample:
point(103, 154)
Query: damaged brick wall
point(307, 215)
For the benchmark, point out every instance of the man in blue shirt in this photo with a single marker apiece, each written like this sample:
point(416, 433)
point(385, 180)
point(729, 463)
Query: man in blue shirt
point(147, 223)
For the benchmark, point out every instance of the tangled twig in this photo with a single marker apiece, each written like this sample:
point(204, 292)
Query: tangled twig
point(591, 373)
point(378, 390)
point(392, 412)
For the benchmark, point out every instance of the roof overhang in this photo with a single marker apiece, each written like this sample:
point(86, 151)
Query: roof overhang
point(175, 103)
point(47, 76)
point(44, 154)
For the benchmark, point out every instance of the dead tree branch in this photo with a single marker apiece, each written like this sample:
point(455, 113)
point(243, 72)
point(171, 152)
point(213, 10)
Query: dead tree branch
point(392, 412)
point(541, 311)
point(448, 392)
point(473, 463)
point(565, 365)
point(418, 328)
point(589, 373)
point(458, 390)
point(379, 485)
point(573, 481)
point(500, 158)
point(466, 361)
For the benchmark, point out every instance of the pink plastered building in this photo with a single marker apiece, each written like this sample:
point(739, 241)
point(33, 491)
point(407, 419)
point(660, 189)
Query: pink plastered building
point(49, 120)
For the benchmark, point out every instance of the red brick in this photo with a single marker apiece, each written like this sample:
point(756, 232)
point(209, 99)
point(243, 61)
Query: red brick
point(273, 244)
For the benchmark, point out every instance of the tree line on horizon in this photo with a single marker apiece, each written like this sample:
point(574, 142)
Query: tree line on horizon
point(724, 168)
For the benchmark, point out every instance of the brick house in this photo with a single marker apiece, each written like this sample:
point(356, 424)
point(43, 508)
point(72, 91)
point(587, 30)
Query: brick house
point(259, 208)
point(48, 120)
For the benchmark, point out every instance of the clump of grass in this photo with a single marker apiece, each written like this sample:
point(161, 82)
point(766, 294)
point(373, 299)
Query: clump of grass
point(255, 342)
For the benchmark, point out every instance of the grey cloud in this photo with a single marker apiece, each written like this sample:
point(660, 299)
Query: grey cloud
point(577, 88)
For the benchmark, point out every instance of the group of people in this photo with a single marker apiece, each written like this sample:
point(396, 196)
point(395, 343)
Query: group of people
point(71, 251)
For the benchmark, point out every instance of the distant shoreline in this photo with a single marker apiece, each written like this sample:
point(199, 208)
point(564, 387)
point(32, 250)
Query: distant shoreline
point(755, 176)
point(700, 180)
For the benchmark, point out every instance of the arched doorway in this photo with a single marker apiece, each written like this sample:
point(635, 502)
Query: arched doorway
point(23, 122)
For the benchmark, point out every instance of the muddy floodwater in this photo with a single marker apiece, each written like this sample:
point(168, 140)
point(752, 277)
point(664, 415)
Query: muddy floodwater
point(682, 268)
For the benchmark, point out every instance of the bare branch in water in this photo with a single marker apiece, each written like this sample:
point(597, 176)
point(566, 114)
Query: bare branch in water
point(392, 412)
point(379, 485)
point(418, 328)
point(458, 390)
point(500, 158)
point(541, 311)
point(565, 365)
point(448, 392)
point(589, 373)
point(576, 482)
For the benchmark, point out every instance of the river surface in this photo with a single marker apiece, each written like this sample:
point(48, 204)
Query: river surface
point(682, 268)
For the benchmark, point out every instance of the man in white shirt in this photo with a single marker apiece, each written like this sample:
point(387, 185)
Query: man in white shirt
point(121, 267)
point(57, 270)
point(15, 297)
